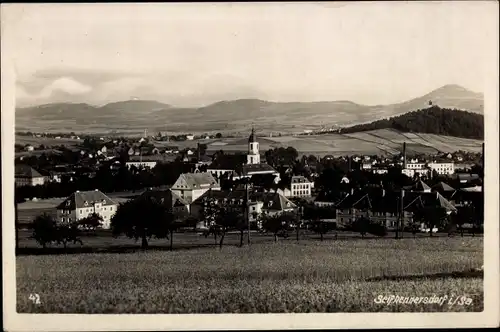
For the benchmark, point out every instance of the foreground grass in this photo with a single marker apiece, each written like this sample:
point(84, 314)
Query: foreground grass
point(285, 277)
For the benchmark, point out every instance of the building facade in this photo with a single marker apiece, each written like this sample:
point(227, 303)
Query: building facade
point(82, 204)
point(27, 176)
point(190, 186)
point(300, 187)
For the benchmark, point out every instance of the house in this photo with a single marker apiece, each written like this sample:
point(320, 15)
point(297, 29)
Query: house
point(379, 170)
point(170, 201)
point(190, 186)
point(29, 148)
point(300, 187)
point(28, 176)
point(190, 137)
point(259, 203)
point(444, 189)
point(381, 208)
point(82, 204)
point(366, 166)
point(442, 168)
point(150, 164)
point(414, 167)
point(466, 177)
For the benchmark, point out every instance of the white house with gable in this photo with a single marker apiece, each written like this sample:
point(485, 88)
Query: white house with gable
point(190, 186)
point(82, 204)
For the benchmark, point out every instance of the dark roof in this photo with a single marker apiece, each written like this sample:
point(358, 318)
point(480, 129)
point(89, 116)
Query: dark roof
point(25, 171)
point(81, 199)
point(421, 186)
point(199, 180)
point(299, 179)
point(166, 197)
point(331, 197)
point(254, 168)
point(358, 200)
point(441, 186)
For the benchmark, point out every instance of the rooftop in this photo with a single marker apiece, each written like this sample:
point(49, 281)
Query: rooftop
point(26, 172)
point(81, 199)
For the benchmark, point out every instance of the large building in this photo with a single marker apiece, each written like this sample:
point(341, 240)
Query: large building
point(254, 165)
point(27, 176)
point(259, 203)
point(190, 186)
point(82, 204)
point(300, 186)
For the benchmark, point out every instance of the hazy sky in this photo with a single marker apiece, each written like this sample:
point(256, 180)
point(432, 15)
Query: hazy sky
point(193, 54)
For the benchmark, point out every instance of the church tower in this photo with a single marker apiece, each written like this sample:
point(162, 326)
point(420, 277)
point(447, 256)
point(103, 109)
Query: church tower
point(253, 156)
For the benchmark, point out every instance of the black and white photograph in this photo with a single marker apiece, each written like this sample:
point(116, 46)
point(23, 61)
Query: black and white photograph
point(199, 161)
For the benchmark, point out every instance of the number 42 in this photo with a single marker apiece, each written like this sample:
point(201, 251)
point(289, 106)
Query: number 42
point(35, 298)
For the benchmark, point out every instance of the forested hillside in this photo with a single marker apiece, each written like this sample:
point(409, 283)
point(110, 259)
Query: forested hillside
point(432, 120)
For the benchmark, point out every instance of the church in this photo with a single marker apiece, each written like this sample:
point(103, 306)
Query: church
point(254, 165)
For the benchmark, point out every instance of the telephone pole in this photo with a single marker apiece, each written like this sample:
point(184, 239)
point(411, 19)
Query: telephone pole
point(247, 210)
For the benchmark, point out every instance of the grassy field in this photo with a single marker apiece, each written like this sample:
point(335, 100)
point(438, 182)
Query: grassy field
point(309, 276)
point(380, 142)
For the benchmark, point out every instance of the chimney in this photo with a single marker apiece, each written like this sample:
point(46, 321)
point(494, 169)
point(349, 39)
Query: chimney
point(404, 155)
point(352, 191)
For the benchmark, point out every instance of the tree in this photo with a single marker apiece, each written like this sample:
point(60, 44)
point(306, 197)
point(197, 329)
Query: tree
point(68, 232)
point(44, 228)
point(275, 224)
point(91, 222)
point(218, 135)
point(322, 227)
point(361, 225)
point(142, 218)
point(227, 219)
point(292, 219)
point(316, 216)
point(432, 216)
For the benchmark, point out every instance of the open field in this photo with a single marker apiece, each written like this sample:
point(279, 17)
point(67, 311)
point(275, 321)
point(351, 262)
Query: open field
point(380, 142)
point(47, 141)
point(310, 276)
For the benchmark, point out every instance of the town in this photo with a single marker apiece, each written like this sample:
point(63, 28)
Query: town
point(412, 193)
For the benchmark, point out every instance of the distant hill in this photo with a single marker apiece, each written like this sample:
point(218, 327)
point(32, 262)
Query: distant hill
point(233, 116)
point(433, 120)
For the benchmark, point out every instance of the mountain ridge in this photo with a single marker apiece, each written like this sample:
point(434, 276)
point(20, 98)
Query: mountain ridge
point(233, 115)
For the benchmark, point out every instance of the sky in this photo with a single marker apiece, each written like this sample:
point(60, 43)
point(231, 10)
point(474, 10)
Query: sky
point(194, 54)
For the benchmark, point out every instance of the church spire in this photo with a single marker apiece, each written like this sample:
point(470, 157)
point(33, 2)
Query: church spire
point(252, 139)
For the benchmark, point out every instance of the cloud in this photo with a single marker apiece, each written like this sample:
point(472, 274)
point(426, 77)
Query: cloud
point(26, 93)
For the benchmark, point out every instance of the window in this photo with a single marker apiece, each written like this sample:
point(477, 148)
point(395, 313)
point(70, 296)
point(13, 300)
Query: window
point(253, 208)
point(81, 210)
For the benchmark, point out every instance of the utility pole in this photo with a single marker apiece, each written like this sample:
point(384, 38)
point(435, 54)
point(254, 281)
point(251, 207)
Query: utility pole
point(402, 208)
point(247, 210)
point(401, 214)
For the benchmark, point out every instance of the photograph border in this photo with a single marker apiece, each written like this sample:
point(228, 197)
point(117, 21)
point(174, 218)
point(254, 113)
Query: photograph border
point(120, 322)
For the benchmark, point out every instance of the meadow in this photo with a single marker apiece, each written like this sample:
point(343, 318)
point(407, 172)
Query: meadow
point(344, 275)
point(379, 142)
